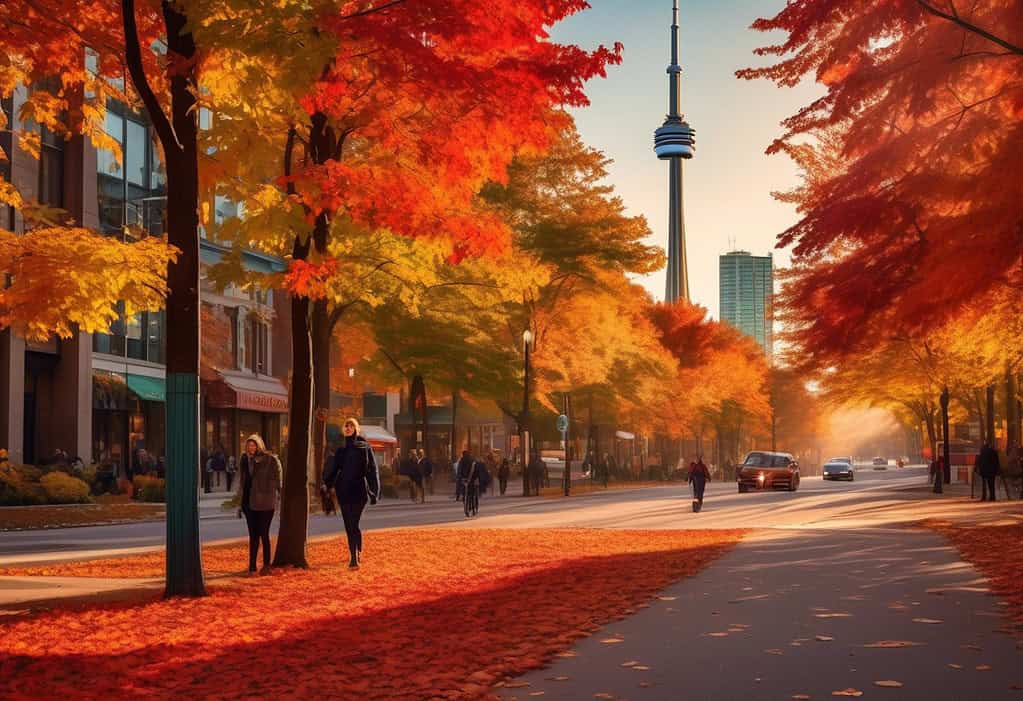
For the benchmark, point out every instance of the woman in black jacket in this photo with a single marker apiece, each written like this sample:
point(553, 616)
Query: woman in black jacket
point(354, 479)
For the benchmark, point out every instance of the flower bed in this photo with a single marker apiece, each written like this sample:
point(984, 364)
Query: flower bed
point(35, 517)
point(433, 613)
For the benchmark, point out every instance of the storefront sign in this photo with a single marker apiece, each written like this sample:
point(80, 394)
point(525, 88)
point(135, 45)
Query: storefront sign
point(257, 401)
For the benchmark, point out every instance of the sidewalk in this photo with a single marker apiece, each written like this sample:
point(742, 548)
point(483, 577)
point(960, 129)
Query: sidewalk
point(803, 614)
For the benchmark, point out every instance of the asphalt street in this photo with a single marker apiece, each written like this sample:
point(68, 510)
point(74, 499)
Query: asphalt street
point(668, 507)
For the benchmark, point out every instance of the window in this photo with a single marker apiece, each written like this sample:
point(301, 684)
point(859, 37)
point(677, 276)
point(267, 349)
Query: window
point(140, 337)
point(136, 153)
point(131, 193)
point(51, 168)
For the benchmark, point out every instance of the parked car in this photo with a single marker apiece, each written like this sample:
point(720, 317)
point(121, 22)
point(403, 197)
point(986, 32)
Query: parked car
point(767, 470)
point(880, 463)
point(839, 468)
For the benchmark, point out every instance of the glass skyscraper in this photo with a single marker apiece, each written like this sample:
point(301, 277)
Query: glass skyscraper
point(746, 285)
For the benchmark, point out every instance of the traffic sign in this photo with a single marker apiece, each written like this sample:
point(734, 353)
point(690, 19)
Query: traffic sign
point(562, 423)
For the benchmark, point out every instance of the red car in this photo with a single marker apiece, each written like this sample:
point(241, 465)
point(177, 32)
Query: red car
point(766, 470)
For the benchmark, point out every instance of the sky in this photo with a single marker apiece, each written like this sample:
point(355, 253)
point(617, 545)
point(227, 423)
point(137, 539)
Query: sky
point(728, 184)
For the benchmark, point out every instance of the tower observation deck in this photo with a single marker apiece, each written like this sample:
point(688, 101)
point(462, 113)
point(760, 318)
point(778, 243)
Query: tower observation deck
point(673, 142)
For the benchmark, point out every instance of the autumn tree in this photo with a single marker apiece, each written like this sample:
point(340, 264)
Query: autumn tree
point(721, 380)
point(906, 213)
point(387, 117)
point(46, 41)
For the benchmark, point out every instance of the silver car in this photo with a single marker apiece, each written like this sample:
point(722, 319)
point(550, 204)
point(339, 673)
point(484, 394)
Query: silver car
point(839, 469)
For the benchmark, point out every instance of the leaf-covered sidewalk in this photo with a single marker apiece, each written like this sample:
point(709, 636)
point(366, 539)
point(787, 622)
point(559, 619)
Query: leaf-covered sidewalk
point(433, 613)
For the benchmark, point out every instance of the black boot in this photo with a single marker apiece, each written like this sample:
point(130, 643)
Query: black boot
point(353, 562)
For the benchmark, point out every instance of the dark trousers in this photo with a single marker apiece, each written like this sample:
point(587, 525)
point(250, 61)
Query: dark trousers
point(503, 483)
point(259, 532)
point(987, 487)
point(230, 479)
point(698, 486)
point(351, 513)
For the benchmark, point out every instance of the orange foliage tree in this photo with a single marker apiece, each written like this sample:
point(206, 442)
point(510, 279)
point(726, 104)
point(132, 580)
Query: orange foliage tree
point(721, 381)
point(391, 117)
point(906, 210)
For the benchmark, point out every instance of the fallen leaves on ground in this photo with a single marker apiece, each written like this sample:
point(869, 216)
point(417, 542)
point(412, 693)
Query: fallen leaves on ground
point(847, 692)
point(888, 684)
point(894, 643)
point(932, 621)
point(516, 598)
point(984, 547)
point(14, 518)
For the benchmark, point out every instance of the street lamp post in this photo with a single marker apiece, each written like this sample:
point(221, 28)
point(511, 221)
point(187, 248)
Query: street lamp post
point(946, 476)
point(527, 341)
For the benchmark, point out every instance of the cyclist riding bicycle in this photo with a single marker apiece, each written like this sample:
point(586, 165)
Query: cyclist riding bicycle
point(472, 489)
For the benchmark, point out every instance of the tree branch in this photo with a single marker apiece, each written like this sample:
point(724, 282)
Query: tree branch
point(954, 18)
point(133, 59)
point(372, 10)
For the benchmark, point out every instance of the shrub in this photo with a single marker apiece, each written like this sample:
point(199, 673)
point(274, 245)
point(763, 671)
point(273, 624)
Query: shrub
point(17, 486)
point(388, 491)
point(125, 487)
point(148, 489)
point(62, 488)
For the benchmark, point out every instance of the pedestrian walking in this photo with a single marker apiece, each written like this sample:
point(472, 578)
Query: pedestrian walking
point(231, 470)
point(535, 472)
point(410, 469)
point(503, 472)
point(989, 468)
point(938, 473)
point(353, 479)
point(426, 470)
point(259, 490)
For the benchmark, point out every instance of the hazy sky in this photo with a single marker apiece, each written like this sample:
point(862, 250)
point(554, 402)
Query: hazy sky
point(728, 184)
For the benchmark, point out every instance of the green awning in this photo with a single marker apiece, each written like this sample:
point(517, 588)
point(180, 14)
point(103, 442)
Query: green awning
point(148, 389)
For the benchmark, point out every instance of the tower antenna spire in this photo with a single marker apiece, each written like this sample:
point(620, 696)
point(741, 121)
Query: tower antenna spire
point(673, 142)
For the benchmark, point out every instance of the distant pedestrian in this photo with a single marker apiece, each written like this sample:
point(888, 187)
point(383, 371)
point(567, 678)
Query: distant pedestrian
point(426, 470)
point(989, 468)
point(354, 480)
point(259, 489)
point(231, 470)
point(503, 472)
point(410, 469)
point(535, 471)
point(938, 473)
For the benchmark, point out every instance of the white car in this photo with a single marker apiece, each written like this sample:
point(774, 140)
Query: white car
point(839, 469)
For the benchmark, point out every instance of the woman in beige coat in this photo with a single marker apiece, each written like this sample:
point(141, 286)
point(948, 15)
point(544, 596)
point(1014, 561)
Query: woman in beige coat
point(259, 490)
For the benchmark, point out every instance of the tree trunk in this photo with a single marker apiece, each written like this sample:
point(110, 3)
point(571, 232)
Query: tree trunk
point(991, 414)
point(179, 137)
point(1012, 437)
point(321, 337)
point(294, 522)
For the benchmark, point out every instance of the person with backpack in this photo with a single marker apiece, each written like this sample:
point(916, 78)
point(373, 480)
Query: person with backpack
point(353, 479)
point(259, 491)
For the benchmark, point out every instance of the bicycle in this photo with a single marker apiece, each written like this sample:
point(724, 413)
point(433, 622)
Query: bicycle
point(472, 500)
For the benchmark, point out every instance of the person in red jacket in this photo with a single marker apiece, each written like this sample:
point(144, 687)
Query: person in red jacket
point(699, 475)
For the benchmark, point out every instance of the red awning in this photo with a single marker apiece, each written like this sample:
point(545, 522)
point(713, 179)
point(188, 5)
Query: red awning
point(247, 392)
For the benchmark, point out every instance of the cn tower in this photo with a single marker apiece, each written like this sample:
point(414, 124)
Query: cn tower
point(675, 141)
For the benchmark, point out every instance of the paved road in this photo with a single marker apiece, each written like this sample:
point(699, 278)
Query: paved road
point(815, 503)
point(796, 614)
